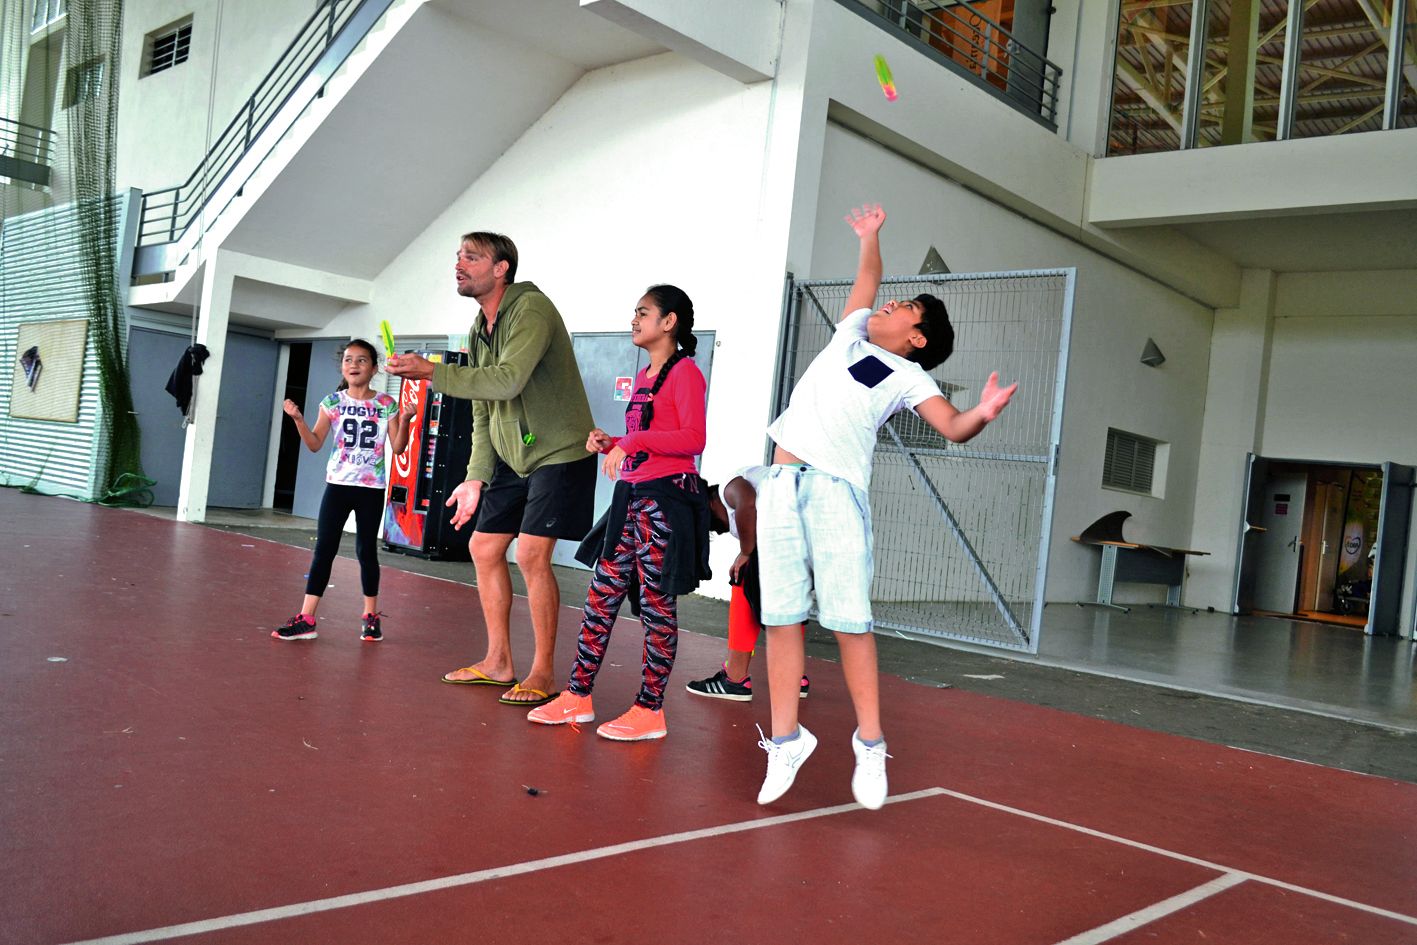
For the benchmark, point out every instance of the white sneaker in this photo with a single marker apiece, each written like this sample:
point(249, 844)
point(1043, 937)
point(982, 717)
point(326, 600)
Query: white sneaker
point(783, 762)
point(868, 784)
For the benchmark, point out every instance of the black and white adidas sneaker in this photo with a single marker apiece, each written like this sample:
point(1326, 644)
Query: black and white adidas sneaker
point(719, 686)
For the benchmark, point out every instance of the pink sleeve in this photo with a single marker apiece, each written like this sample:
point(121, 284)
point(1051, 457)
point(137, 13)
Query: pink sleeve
point(685, 390)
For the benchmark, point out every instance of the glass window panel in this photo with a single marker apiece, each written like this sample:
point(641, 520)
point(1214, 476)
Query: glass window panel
point(1149, 76)
point(46, 12)
point(1342, 68)
point(1407, 109)
point(85, 82)
point(1244, 60)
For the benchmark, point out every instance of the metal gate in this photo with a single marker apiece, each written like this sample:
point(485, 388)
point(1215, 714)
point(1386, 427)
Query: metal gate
point(961, 531)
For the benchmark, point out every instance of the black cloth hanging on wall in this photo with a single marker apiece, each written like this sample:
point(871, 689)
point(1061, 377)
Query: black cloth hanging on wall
point(179, 385)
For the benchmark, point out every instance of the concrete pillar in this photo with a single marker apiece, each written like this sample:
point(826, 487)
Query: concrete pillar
point(1030, 28)
point(212, 319)
point(1237, 125)
point(1234, 424)
point(1082, 40)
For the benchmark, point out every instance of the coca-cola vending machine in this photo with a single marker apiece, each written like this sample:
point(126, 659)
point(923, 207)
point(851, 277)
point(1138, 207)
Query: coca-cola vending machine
point(416, 521)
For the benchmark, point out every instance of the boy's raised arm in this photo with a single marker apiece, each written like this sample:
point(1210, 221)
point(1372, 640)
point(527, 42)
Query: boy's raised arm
point(866, 223)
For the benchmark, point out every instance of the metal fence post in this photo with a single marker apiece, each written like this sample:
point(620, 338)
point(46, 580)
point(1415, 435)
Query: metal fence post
point(1396, 41)
point(1195, 72)
point(1289, 80)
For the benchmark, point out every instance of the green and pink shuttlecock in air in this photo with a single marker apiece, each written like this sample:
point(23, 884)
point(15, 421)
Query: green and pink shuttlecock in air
point(883, 75)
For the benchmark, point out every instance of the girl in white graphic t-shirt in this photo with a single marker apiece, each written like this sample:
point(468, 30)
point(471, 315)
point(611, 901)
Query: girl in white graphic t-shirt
point(355, 479)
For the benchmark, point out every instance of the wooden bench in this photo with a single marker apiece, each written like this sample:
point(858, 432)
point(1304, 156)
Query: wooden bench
point(1124, 560)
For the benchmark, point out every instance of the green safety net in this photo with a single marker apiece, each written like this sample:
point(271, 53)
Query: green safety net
point(94, 35)
point(87, 43)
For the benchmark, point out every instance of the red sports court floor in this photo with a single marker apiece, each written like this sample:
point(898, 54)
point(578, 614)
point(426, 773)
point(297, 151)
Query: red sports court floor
point(180, 776)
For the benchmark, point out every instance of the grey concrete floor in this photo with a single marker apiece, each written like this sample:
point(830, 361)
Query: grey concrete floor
point(1327, 695)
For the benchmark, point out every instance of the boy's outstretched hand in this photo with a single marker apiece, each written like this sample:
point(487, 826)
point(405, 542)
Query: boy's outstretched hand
point(866, 220)
point(995, 398)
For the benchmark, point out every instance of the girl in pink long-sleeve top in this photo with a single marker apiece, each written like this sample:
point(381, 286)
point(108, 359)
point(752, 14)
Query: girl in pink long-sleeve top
point(656, 532)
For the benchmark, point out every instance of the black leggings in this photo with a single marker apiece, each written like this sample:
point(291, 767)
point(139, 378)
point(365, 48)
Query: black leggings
point(367, 505)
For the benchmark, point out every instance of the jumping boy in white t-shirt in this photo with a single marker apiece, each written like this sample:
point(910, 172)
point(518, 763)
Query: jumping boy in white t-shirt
point(814, 512)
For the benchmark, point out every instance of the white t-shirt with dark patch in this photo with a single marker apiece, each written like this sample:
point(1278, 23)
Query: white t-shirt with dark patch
point(753, 475)
point(847, 392)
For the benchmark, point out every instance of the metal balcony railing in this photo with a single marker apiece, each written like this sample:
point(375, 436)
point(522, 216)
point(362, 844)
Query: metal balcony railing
point(171, 218)
point(961, 35)
point(26, 152)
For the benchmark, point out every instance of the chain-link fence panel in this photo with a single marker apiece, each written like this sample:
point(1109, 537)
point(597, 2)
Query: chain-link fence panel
point(962, 530)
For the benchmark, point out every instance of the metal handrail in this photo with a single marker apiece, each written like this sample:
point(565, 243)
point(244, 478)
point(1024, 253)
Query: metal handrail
point(975, 46)
point(26, 152)
point(26, 142)
point(169, 213)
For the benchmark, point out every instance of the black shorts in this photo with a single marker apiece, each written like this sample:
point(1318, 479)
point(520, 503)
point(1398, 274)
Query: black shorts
point(553, 502)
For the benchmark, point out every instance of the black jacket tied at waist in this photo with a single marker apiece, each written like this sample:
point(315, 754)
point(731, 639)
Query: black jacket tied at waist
point(684, 501)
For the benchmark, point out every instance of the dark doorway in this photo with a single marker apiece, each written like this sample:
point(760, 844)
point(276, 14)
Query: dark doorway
point(297, 376)
point(1314, 539)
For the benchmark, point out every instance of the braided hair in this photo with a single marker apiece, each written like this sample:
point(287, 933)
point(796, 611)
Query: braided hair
point(673, 299)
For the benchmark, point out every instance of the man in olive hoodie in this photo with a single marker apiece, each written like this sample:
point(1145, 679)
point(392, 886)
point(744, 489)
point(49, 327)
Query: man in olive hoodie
point(529, 477)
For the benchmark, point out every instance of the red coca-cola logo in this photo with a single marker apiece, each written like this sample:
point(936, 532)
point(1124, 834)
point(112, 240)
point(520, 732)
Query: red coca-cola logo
point(410, 395)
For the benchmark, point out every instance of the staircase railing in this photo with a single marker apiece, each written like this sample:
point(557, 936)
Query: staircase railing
point(171, 219)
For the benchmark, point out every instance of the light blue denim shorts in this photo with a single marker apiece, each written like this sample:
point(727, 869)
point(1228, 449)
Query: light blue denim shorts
point(814, 535)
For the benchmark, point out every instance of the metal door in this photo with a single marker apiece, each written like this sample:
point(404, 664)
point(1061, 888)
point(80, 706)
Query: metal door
point(241, 439)
point(1256, 474)
point(604, 360)
point(1394, 518)
point(1279, 548)
point(962, 531)
point(244, 409)
point(151, 357)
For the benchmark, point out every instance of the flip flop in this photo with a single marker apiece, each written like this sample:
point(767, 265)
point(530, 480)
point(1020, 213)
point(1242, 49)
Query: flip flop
point(479, 678)
point(541, 697)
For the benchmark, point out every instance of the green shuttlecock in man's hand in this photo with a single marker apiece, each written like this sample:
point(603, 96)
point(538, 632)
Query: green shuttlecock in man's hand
point(388, 336)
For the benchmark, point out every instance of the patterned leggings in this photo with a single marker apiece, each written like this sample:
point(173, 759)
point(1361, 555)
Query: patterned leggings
point(638, 554)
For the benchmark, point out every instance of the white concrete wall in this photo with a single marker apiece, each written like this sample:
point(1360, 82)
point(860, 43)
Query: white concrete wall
point(1315, 366)
point(164, 126)
point(1275, 178)
point(1115, 311)
point(946, 123)
point(1342, 389)
point(1234, 416)
point(618, 186)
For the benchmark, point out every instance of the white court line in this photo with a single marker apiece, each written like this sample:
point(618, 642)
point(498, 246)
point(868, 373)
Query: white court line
point(480, 876)
point(1184, 858)
point(1105, 933)
point(1231, 876)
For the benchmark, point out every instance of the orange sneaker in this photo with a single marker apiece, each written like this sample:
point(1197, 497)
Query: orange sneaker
point(567, 707)
point(636, 725)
